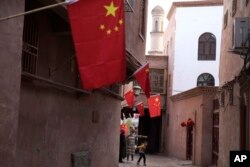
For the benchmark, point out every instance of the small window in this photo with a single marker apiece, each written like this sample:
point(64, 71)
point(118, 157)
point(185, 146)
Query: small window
point(161, 26)
point(225, 20)
point(142, 32)
point(205, 79)
point(207, 47)
point(30, 45)
point(156, 26)
point(247, 2)
point(234, 7)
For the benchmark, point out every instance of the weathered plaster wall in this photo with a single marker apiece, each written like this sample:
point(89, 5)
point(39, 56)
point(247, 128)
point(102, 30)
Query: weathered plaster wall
point(57, 124)
point(199, 108)
point(10, 70)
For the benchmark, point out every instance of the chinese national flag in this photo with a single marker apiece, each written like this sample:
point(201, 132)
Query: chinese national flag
point(129, 96)
point(154, 106)
point(98, 32)
point(142, 77)
point(140, 108)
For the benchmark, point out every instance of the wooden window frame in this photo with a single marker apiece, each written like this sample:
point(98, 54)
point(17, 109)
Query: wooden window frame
point(207, 41)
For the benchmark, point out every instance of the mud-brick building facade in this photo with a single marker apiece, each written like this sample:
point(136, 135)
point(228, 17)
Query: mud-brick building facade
point(46, 118)
point(192, 142)
point(234, 115)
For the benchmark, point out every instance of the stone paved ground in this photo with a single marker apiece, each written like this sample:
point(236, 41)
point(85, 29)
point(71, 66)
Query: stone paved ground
point(157, 161)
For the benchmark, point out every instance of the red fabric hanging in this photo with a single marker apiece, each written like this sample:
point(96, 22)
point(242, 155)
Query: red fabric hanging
point(154, 106)
point(98, 33)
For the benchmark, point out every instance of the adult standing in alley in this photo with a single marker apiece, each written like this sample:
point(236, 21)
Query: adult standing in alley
point(131, 143)
point(122, 152)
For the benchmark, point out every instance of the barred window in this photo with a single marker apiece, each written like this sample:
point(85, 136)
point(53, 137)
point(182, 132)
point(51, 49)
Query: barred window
point(157, 80)
point(30, 45)
point(207, 47)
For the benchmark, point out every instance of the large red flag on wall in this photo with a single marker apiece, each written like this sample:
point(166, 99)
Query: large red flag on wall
point(154, 106)
point(98, 33)
point(142, 77)
point(129, 97)
point(140, 108)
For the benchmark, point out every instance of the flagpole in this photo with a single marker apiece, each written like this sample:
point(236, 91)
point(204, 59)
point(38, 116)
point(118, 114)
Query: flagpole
point(33, 11)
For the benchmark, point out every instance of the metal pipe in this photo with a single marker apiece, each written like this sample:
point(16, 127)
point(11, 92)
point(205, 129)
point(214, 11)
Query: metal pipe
point(33, 11)
point(25, 74)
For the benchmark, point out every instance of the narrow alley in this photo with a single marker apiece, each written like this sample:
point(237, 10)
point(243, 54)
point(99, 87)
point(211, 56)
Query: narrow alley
point(157, 161)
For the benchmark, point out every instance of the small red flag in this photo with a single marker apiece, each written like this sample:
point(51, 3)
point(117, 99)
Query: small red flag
point(140, 108)
point(142, 77)
point(154, 106)
point(98, 33)
point(129, 97)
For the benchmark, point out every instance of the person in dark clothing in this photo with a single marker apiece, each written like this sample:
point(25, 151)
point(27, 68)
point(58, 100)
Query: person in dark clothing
point(122, 153)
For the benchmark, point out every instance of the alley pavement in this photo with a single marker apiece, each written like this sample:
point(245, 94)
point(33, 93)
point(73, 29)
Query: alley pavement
point(157, 161)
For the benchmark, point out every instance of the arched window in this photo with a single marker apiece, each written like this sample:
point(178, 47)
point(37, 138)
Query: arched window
point(156, 26)
point(161, 26)
point(205, 79)
point(207, 47)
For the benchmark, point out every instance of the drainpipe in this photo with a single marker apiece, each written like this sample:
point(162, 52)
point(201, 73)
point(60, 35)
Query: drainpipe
point(194, 143)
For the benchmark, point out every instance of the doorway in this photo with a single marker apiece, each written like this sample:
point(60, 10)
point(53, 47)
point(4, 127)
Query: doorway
point(150, 127)
point(189, 145)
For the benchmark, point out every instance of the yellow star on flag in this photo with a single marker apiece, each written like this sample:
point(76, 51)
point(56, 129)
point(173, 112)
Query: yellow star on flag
point(120, 21)
point(102, 26)
point(116, 28)
point(111, 9)
point(108, 31)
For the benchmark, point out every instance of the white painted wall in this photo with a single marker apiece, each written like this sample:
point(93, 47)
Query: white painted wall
point(191, 22)
point(157, 42)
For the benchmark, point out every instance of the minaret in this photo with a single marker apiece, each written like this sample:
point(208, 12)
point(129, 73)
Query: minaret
point(157, 31)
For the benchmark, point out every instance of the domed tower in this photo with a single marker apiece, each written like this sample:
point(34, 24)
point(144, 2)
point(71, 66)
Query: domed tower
point(157, 30)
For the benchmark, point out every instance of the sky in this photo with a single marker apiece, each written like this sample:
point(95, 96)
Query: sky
point(165, 4)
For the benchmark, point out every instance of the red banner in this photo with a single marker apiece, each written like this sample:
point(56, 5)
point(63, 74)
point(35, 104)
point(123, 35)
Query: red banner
point(154, 106)
point(98, 33)
point(140, 108)
point(142, 77)
point(129, 97)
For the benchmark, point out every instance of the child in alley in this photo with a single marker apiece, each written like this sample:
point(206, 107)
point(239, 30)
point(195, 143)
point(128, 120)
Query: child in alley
point(142, 149)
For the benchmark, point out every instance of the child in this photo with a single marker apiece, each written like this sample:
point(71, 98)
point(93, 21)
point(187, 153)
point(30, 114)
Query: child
point(142, 149)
